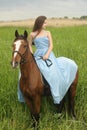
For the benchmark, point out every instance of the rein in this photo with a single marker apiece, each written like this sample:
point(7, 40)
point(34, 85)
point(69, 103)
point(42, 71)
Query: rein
point(47, 61)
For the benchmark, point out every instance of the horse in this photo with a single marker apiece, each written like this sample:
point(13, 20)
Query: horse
point(31, 80)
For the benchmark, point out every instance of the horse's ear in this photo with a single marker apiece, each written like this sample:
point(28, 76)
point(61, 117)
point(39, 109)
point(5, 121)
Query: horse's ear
point(16, 33)
point(25, 34)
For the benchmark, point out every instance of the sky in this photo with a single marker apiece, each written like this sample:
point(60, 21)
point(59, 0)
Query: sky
point(25, 9)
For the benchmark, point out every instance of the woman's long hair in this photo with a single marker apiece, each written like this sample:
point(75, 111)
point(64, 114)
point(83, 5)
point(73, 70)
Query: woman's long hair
point(39, 23)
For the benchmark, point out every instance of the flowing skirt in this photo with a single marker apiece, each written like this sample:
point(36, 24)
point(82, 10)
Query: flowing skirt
point(60, 74)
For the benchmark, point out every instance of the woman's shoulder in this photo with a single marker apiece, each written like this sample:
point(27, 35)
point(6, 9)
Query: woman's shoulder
point(48, 33)
point(32, 34)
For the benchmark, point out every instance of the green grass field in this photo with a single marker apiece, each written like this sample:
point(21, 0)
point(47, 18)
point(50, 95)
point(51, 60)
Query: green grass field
point(70, 42)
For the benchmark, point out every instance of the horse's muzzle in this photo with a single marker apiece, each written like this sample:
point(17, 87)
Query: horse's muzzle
point(14, 64)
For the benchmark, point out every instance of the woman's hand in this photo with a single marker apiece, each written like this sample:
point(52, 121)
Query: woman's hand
point(45, 57)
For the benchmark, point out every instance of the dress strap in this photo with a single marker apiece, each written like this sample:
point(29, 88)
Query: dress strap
point(34, 38)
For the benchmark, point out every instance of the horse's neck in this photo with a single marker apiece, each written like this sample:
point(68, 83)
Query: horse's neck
point(29, 66)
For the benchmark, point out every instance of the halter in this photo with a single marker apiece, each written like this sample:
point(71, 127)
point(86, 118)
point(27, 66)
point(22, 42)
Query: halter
point(23, 60)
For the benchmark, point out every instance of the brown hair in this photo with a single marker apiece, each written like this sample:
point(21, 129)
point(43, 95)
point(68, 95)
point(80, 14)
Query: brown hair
point(38, 23)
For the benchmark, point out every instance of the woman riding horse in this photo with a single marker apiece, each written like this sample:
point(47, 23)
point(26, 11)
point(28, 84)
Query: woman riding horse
point(61, 73)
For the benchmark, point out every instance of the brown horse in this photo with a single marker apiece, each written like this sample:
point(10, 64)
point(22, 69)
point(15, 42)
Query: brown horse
point(31, 81)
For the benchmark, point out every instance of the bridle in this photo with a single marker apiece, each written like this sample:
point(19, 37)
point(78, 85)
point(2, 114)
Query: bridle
point(23, 60)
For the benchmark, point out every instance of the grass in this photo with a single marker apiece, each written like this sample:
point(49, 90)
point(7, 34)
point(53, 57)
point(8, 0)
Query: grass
point(69, 42)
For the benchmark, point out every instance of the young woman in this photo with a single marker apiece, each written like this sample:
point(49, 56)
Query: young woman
point(59, 72)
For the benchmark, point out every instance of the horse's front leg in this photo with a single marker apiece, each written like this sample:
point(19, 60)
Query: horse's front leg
point(34, 104)
point(36, 110)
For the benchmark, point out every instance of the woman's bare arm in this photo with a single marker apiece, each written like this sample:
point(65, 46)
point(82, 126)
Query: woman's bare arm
point(50, 46)
point(30, 42)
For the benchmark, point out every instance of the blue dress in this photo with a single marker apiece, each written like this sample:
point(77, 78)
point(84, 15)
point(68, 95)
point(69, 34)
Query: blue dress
point(59, 72)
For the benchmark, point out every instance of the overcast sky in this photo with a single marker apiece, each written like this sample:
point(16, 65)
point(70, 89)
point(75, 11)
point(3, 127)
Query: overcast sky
point(25, 9)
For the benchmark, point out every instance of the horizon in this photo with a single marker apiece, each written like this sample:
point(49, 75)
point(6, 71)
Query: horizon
point(65, 17)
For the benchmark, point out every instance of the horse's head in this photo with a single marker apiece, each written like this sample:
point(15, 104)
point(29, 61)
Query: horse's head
point(20, 46)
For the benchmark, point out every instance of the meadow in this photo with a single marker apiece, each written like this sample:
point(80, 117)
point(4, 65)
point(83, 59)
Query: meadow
point(70, 42)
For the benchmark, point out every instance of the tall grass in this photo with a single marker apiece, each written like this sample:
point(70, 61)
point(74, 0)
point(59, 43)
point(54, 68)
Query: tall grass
point(69, 42)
